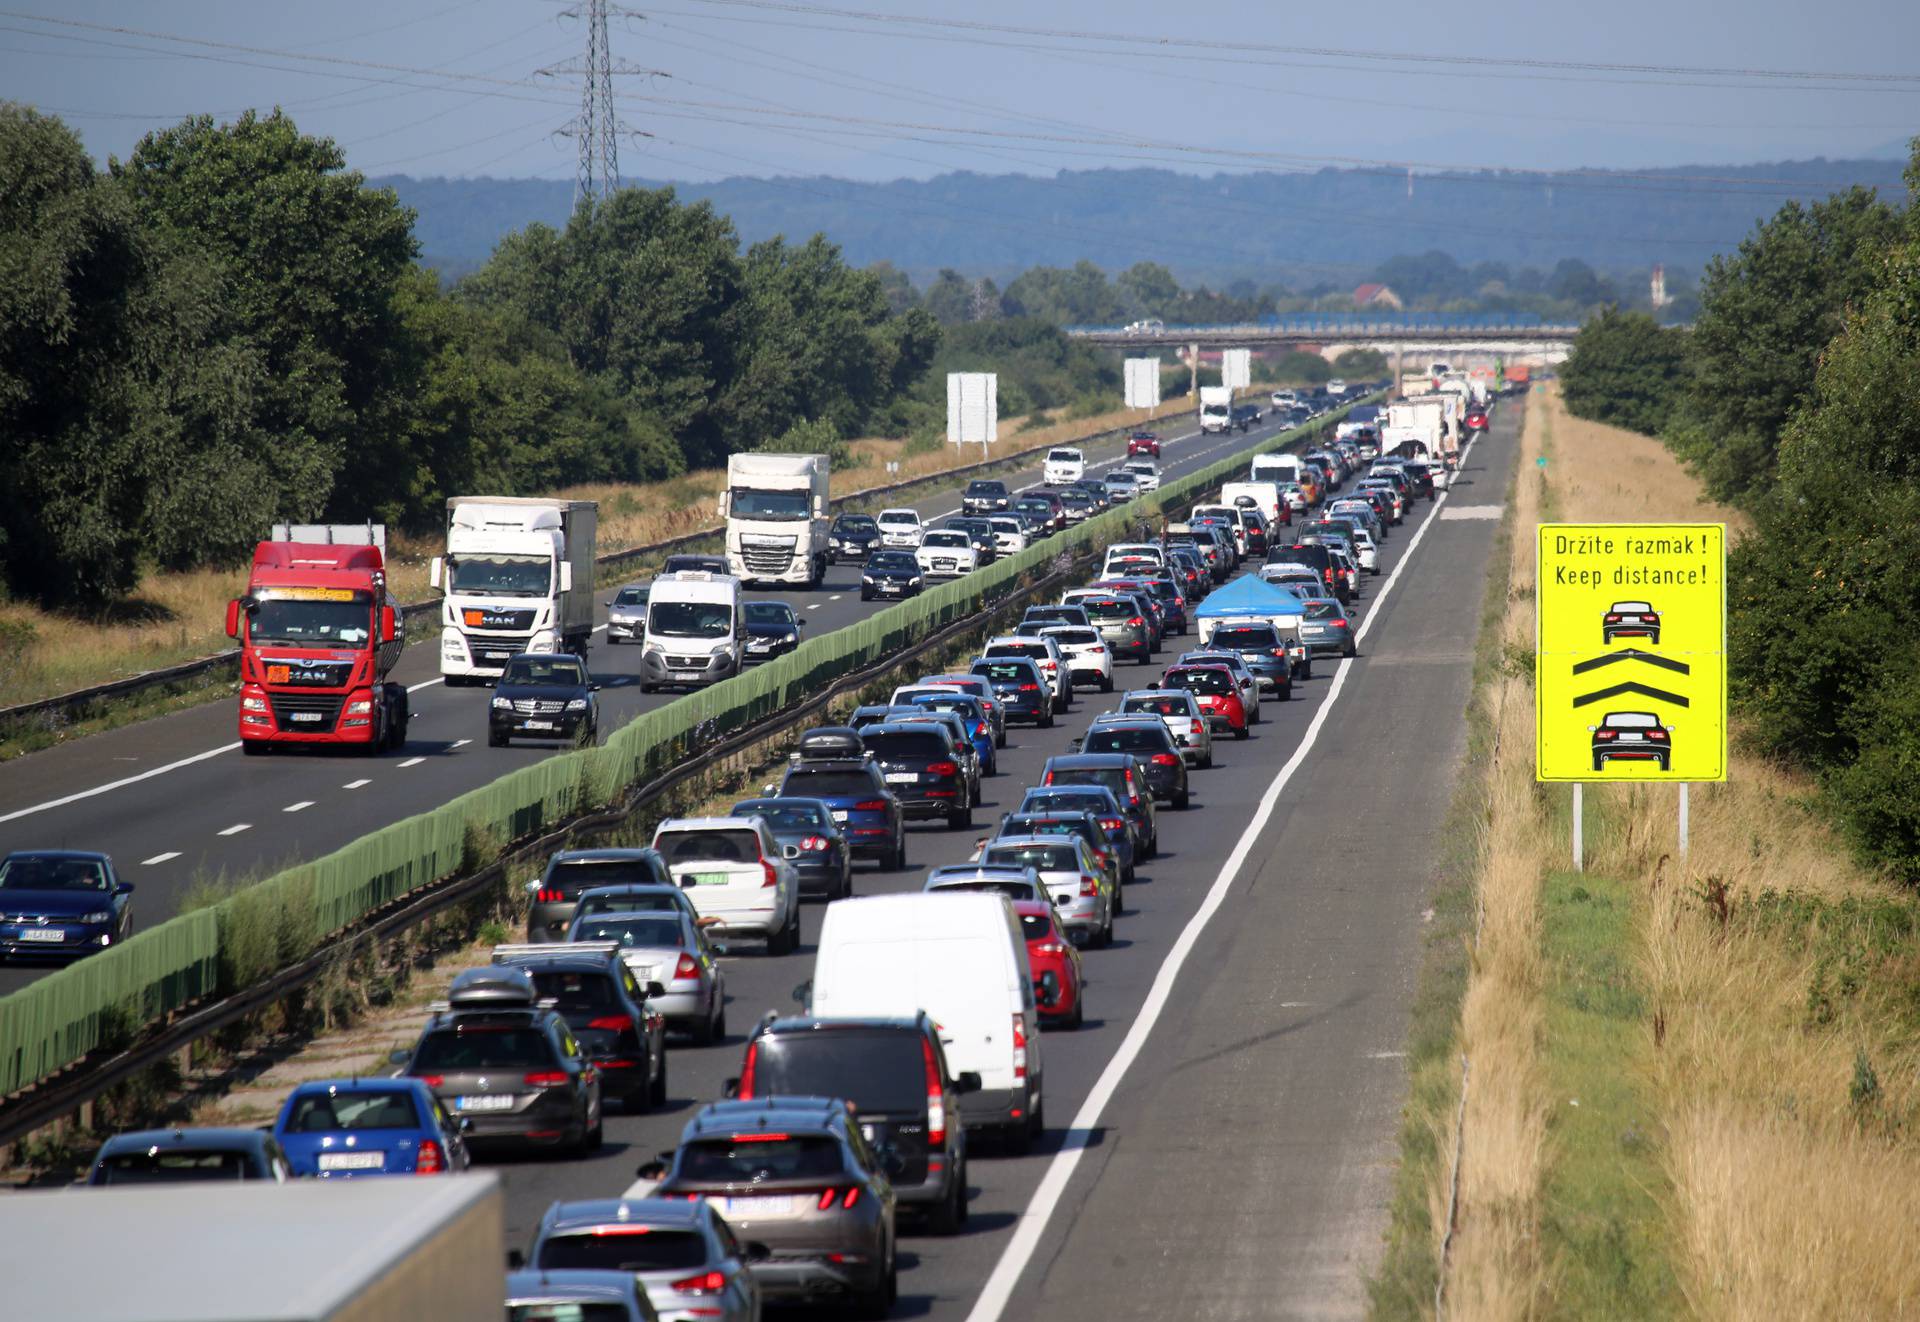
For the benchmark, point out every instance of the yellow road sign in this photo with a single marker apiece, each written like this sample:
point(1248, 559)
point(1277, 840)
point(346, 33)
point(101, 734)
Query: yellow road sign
point(1630, 661)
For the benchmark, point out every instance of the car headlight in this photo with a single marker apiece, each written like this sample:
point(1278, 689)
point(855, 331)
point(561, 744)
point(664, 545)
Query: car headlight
point(791, 638)
point(577, 704)
point(99, 916)
point(866, 578)
point(253, 704)
point(914, 582)
point(503, 704)
point(360, 708)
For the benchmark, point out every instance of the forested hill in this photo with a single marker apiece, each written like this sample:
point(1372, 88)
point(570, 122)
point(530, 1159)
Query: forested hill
point(1294, 228)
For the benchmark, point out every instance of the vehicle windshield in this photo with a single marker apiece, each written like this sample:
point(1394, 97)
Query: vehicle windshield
point(1034, 650)
point(659, 1249)
point(907, 745)
point(332, 623)
point(756, 1158)
point(28, 873)
point(482, 1047)
point(1631, 720)
point(1013, 890)
point(174, 1166)
point(1063, 456)
point(661, 900)
point(1322, 610)
point(1039, 507)
point(1158, 706)
point(876, 1071)
point(576, 875)
point(894, 562)
point(770, 612)
point(1066, 798)
point(827, 784)
point(946, 538)
point(773, 506)
point(1127, 739)
point(557, 672)
point(1074, 635)
point(690, 619)
point(725, 845)
point(899, 519)
point(1041, 858)
point(314, 1113)
point(499, 575)
point(631, 929)
point(986, 488)
point(631, 597)
point(576, 992)
point(1109, 610)
point(855, 523)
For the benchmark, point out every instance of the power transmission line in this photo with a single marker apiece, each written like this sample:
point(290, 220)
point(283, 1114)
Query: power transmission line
point(597, 129)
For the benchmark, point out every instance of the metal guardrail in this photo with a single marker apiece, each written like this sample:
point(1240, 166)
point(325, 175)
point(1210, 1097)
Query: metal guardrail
point(65, 705)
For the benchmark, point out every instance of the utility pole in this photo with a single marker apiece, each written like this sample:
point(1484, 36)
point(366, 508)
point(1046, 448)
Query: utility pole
point(597, 128)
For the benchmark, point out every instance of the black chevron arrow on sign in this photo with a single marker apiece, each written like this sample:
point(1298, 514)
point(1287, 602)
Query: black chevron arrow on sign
point(1633, 654)
point(1644, 690)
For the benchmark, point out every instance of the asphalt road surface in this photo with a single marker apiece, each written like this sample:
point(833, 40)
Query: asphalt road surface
point(172, 800)
point(1220, 1135)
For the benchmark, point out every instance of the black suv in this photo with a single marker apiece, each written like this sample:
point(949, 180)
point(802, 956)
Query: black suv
point(894, 1075)
point(606, 1007)
point(1148, 741)
point(571, 873)
point(1020, 688)
point(1120, 773)
point(544, 695)
point(498, 1058)
point(920, 766)
point(985, 496)
point(1320, 560)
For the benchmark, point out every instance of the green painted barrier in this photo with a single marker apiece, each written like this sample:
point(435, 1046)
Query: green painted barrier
point(58, 1020)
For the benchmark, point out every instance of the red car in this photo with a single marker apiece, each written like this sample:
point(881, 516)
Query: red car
point(1143, 442)
point(1058, 986)
point(1476, 419)
point(1215, 689)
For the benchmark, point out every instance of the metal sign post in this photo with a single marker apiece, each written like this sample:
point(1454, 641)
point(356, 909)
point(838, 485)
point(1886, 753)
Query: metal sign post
point(1579, 825)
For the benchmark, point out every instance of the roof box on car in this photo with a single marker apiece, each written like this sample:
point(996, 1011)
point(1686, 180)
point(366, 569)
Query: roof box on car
point(834, 741)
point(492, 987)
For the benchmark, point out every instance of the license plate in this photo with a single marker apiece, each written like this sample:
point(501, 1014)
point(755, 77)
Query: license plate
point(538, 725)
point(352, 1161)
point(840, 817)
point(495, 1102)
point(303, 716)
point(709, 878)
point(686, 674)
point(764, 1205)
point(901, 777)
point(42, 934)
point(1632, 738)
point(495, 656)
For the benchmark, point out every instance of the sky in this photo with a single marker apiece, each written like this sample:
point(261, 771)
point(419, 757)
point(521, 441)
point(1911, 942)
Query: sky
point(884, 89)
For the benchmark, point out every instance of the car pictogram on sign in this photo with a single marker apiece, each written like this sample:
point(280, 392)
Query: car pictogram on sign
point(1631, 736)
point(1631, 619)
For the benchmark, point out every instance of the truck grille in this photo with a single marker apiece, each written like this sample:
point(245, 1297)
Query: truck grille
point(511, 620)
point(688, 662)
point(767, 559)
point(493, 651)
point(537, 707)
point(306, 713)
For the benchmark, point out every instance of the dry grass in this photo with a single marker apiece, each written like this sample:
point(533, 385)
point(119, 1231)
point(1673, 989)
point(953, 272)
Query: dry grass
point(175, 617)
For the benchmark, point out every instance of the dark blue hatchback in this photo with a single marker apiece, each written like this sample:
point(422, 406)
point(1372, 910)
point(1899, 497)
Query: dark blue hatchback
point(867, 812)
point(61, 902)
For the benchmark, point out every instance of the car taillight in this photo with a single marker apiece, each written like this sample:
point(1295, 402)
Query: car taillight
point(829, 1196)
point(685, 969)
point(1089, 886)
point(433, 1080)
point(1136, 622)
point(1114, 823)
point(770, 875)
point(613, 1023)
point(1278, 653)
point(870, 805)
point(1035, 688)
point(705, 1283)
point(548, 895)
point(1603, 734)
point(816, 844)
point(1166, 759)
point(546, 1079)
point(429, 1160)
point(1336, 624)
point(1019, 1047)
point(1656, 735)
point(745, 1091)
point(1049, 948)
point(936, 1096)
point(943, 768)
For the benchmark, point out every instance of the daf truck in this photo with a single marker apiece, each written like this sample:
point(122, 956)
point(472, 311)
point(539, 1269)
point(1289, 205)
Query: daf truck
point(775, 506)
point(518, 577)
point(1216, 408)
point(319, 632)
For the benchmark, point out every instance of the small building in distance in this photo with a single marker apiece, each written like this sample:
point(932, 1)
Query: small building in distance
point(1377, 296)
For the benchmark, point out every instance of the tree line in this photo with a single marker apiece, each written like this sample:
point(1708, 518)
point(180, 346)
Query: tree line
point(1797, 397)
point(229, 328)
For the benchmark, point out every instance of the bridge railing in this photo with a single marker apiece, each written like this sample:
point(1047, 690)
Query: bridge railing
point(1352, 323)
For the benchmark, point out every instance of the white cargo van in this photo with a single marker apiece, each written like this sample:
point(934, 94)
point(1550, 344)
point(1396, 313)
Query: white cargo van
point(1275, 468)
point(962, 959)
point(696, 631)
point(1266, 498)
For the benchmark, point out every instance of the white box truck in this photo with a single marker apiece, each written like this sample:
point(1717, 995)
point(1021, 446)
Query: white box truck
point(1216, 408)
point(518, 577)
point(775, 506)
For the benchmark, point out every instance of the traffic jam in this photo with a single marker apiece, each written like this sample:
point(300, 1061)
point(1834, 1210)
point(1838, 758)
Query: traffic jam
point(939, 880)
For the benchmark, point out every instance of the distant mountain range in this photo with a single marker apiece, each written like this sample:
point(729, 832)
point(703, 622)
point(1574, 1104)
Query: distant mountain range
point(1300, 229)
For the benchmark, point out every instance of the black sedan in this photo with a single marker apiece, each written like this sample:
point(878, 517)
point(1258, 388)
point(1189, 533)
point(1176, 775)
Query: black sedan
point(890, 574)
point(853, 537)
point(814, 843)
point(61, 902)
point(1151, 744)
point(543, 695)
point(773, 629)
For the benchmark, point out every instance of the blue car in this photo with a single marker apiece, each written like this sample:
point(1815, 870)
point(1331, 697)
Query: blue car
point(61, 902)
point(866, 811)
point(979, 727)
point(338, 1129)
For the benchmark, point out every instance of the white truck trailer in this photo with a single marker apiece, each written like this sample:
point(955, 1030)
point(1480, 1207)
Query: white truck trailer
point(518, 577)
point(1216, 408)
point(775, 506)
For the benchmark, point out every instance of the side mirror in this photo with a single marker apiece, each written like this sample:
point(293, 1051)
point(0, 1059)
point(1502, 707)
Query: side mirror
point(399, 1056)
point(651, 1170)
point(466, 1124)
point(123, 888)
point(594, 687)
point(1592, 728)
point(436, 571)
point(655, 989)
point(754, 1251)
point(233, 618)
point(768, 791)
point(566, 575)
point(803, 620)
point(731, 1088)
point(388, 624)
point(967, 1081)
point(802, 992)
point(515, 1260)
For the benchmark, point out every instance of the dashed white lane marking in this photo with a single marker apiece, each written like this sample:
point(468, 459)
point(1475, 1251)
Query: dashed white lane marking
point(461, 743)
point(159, 858)
point(236, 830)
point(301, 806)
point(356, 784)
point(119, 784)
point(423, 684)
point(413, 762)
point(1473, 512)
point(836, 596)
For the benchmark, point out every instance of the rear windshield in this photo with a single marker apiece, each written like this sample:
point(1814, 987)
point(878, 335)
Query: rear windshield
point(574, 878)
point(323, 1112)
point(631, 929)
point(1322, 610)
point(577, 991)
point(1245, 636)
point(656, 1250)
point(826, 784)
point(876, 1071)
point(895, 745)
point(1168, 706)
point(1036, 926)
point(569, 1310)
point(1064, 798)
point(482, 1047)
point(1034, 650)
point(1127, 739)
point(732, 845)
point(642, 901)
point(1020, 671)
point(1075, 635)
point(784, 816)
point(1629, 720)
point(755, 1158)
point(175, 1166)
point(1109, 610)
point(1201, 681)
point(1042, 858)
point(1013, 890)
point(1051, 826)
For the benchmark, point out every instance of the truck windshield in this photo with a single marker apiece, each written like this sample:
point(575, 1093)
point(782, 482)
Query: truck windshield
point(747, 503)
point(499, 575)
point(690, 619)
point(339, 623)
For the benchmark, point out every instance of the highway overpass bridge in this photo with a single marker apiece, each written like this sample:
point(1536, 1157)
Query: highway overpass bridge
point(1400, 336)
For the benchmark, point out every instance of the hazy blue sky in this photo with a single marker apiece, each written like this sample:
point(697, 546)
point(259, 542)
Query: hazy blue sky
point(430, 87)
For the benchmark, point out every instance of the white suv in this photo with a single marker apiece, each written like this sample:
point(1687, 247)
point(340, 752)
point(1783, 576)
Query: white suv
point(736, 874)
point(900, 529)
point(1089, 659)
point(1146, 473)
point(1063, 466)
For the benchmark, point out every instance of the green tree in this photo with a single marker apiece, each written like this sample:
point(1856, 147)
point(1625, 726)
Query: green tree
point(1362, 365)
point(1065, 296)
point(1149, 289)
point(949, 298)
point(1625, 369)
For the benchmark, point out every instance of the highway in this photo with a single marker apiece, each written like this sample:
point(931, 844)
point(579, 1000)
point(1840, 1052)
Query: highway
point(1220, 1135)
point(173, 801)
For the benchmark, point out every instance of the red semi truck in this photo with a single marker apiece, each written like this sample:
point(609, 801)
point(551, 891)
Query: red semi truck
point(319, 633)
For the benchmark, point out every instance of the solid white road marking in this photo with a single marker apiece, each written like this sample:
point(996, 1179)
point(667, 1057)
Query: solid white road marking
point(1032, 1224)
point(236, 830)
point(301, 806)
point(119, 784)
point(356, 784)
point(413, 762)
point(159, 858)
